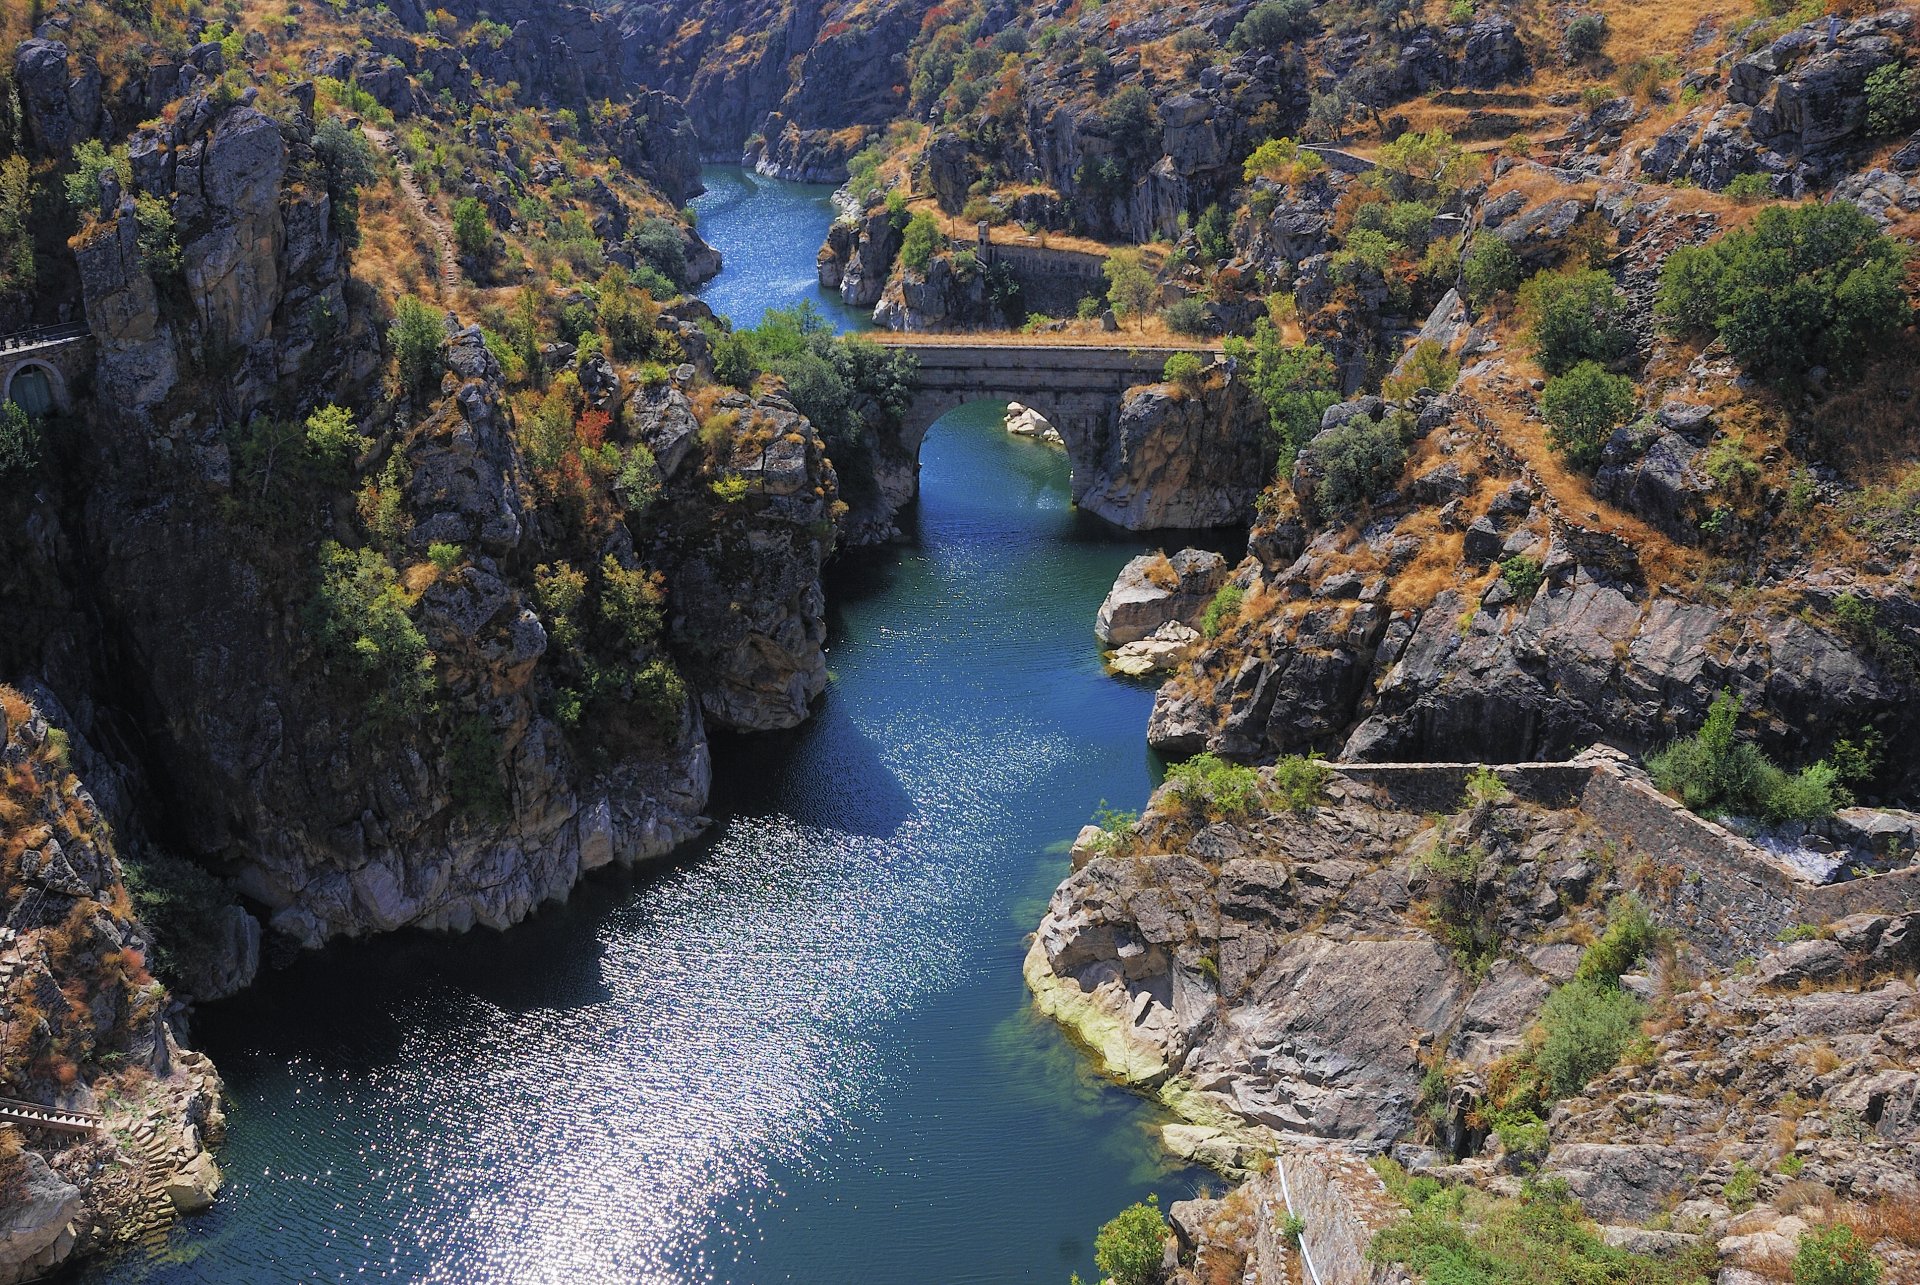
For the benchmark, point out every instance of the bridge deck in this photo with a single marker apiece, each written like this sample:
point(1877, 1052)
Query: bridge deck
point(34, 1116)
point(1064, 345)
point(24, 342)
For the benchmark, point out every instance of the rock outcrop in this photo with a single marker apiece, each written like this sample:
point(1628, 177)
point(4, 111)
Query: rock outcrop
point(1154, 589)
point(1181, 457)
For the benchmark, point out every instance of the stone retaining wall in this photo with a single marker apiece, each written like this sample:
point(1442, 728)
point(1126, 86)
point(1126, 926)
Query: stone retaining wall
point(1731, 898)
point(1342, 1203)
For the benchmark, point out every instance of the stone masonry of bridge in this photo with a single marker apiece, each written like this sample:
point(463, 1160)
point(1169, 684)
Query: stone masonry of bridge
point(65, 355)
point(1079, 388)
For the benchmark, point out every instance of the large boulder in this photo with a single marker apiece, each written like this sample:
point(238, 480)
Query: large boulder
point(61, 104)
point(1153, 589)
point(36, 1224)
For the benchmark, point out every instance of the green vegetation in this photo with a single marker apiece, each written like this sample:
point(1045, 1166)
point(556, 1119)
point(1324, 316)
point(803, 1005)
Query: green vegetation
point(17, 269)
point(1574, 317)
point(1187, 316)
point(661, 246)
point(1488, 270)
point(20, 443)
point(418, 338)
point(1116, 829)
point(1585, 37)
point(332, 438)
point(1301, 783)
point(1749, 189)
point(1222, 611)
point(182, 904)
point(1523, 575)
point(1582, 408)
point(1836, 1255)
point(472, 232)
point(1628, 938)
point(1209, 786)
point(919, 241)
point(1805, 285)
point(1893, 98)
point(1129, 1249)
point(1459, 1236)
point(1292, 1228)
point(1714, 773)
point(829, 378)
point(1355, 460)
point(445, 556)
point(1484, 786)
point(1296, 383)
point(349, 164)
point(1130, 287)
point(1185, 369)
point(1273, 23)
point(360, 618)
point(1584, 1027)
point(1740, 1187)
point(1283, 161)
point(1213, 234)
point(473, 768)
point(91, 160)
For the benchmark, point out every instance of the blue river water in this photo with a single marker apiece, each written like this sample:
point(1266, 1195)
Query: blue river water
point(802, 1052)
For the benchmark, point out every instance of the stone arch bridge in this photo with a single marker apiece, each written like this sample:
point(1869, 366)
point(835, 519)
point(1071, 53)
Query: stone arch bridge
point(1078, 387)
point(38, 368)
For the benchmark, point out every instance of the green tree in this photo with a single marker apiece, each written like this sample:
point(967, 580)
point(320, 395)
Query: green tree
point(1574, 317)
point(1584, 1027)
point(472, 231)
point(1213, 234)
point(1273, 23)
point(1355, 460)
point(1488, 270)
point(332, 438)
point(1582, 408)
point(91, 159)
point(1183, 368)
point(1893, 98)
point(418, 338)
point(19, 441)
point(1130, 287)
point(919, 241)
point(1804, 285)
point(349, 162)
point(16, 236)
point(660, 244)
point(1131, 1247)
point(1296, 383)
point(360, 618)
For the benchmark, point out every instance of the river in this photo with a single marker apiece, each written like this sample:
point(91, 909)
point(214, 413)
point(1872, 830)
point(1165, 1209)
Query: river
point(803, 1052)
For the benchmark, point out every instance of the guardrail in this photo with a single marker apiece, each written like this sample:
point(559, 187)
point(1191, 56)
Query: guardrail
point(58, 1119)
point(41, 337)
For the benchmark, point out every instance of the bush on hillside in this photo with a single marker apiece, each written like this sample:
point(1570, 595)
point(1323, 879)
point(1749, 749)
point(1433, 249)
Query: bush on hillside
point(1296, 383)
point(1574, 317)
point(1187, 316)
point(1183, 368)
point(1273, 23)
point(919, 241)
point(1713, 773)
point(1355, 460)
point(360, 617)
point(1211, 788)
point(418, 338)
point(1582, 408)
point(1130, 1248)
point(1836, 1255)
point(1584, 1027)
point(1629, 936)
point(19, 441)
point(1222, 611)
point(660, 245)
point(1805, 285)
point(1488, 270)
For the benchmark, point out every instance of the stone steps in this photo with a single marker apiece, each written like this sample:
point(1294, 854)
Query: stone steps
point(154, 1221)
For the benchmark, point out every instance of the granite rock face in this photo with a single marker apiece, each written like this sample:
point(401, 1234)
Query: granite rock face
point(1154, 589)
point(1180, 457)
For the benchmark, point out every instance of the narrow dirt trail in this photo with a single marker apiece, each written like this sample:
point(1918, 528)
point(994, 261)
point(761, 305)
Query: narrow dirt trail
point(448, 256)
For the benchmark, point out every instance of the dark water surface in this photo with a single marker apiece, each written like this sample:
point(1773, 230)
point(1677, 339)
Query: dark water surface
point(803, 1053)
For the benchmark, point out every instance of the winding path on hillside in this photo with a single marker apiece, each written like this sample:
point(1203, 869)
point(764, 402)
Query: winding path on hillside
point(447, 255)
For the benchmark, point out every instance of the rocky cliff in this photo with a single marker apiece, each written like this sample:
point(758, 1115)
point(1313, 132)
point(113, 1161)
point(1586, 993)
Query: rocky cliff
point(87, 1027)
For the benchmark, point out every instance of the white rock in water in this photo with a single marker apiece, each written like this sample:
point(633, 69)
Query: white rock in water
point(1024, 421)
point(1157, 653)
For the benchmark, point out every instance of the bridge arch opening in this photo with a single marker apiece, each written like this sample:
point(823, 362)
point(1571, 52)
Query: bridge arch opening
point(1080, 428)
point(35, 388)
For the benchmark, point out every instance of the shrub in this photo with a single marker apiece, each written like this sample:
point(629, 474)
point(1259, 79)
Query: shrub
point(1574, 317)
point(1281, 160)
point(1213, 234)
point(360, 618)
point(1301, 782)
point(1582, 408)
point(1223, 610)
point(472, 232)
point(445, 556)
point(1712, 772)
point(638, 483)
point(1893, 98)
point(1184, 368)
point(1585, 37)
point(1804, 285)
point(1355, 460)
point(1835, 1255)
point(632, 601)
point(1523, 575)
point(418, 337)
point(19, 441)
point(920, 240)
point(1584, 1027)
point(473, 768)
point(1295, 383)
point(182, 904)
point(1272, 24)
point(1427, 365)
point(1750, 189)
point(1116, 829)
point(659, 243)
point(1186, 316)
point(1630, 934)
point(1483, 786)
point(332, 438)
point(1488, 270)
point(91, 159)
point(660, 692)
point(1209, 786)
point(1130, 287)
point(1292, 1228)
point(1129, 1249)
